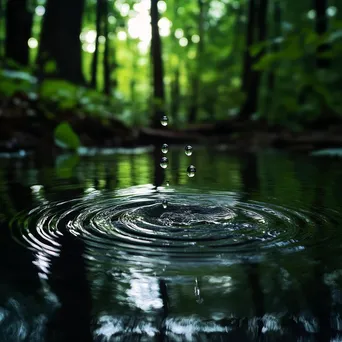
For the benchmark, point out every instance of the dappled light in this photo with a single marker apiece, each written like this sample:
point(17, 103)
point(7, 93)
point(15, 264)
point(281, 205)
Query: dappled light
point(32, 43)
point(40, 10)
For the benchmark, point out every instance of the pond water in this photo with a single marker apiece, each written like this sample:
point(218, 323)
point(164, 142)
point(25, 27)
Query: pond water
point(250, 249)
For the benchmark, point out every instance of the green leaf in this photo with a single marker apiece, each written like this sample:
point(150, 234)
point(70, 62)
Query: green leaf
point(19, 75)
point(65, 137)
point(267, 61)
point(56, 87)
point(64, 92)
point(336, 35)
point(50, 67)
point(255, 49)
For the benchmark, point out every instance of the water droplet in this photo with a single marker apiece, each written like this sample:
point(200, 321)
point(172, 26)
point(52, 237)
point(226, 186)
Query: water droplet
point(164, 120)
point(191, 171)
point(167, 183)
point(164, 162)
point(164, 203)
point(188, 150)
point(165, 148)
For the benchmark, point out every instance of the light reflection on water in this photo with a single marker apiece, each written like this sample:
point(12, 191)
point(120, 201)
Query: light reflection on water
point(236, 254)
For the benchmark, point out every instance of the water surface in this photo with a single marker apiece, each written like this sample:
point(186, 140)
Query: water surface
point(247, 250)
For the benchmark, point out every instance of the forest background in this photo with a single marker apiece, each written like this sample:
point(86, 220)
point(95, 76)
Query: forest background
point(104, 73)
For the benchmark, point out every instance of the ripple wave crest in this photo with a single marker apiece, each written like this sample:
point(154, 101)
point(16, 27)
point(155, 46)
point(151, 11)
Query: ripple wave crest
point(194, 226)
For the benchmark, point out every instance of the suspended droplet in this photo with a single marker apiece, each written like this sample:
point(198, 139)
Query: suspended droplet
point(164, 203)
point(167, 183)
point(165, 148)
point(188, 150)
point(164, 162)
point(191, 171)
point(164, 120)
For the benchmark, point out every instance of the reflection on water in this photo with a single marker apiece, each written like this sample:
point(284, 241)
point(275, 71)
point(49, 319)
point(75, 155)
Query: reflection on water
point(248, 250)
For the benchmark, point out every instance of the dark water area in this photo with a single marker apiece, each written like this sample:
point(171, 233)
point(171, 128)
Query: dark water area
point(250, 249)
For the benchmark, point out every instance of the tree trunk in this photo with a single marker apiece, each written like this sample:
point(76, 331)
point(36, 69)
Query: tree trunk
point(252, 78)
point(175, 69)
point(196, 78)
point(2, 28)
point(271, 76)
point(175, 96)
point(106, 65)
point(133, 81)
point(60, 40)
point(274, 47)
point(95, 61)
point(157, 66)
point(321, 28)
point(18, 31)
point(235, 58)
point(247, 61)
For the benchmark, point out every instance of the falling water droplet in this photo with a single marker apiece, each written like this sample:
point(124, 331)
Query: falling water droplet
point(191, 171)
point(164, 162)
point(164, 203)
point(164, 120)
point(167, 183)
point(188, 150)
point(165, 148)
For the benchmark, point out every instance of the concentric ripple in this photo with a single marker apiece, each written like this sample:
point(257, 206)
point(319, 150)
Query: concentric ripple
point(194, 226)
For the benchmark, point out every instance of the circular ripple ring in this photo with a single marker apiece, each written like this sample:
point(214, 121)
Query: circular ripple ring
point(202, 225)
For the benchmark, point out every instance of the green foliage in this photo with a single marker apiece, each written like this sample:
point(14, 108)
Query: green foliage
point(12, 81)
point(68, 96)
point(63, 93)
point(65, 137)
point(50, 67)
point(303, 92)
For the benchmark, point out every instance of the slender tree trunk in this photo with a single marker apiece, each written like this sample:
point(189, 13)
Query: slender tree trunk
point(106, 64)
point(247, 61)
point(60, 40)
point(18, 31)
point(271, 76)
point(274, 48)
point(95, 61)
point(2, 28)
point(196, 78)
point(175, 95)
point(252, 78)
point(175, 87)
point(113, 66)
point(321, 28)
point(236, 40)
point(133, 80)
point(157, 66)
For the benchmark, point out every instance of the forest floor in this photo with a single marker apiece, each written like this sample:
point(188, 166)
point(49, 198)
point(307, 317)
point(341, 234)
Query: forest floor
point(19, 131)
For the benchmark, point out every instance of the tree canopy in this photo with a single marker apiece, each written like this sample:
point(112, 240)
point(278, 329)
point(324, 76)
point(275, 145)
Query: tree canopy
point(195, 61)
